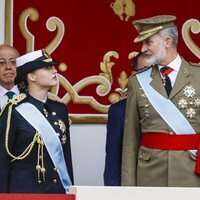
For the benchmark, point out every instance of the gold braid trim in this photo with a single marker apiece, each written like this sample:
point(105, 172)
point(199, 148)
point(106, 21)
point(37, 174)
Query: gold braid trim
point(27, 151)
point(40, 161)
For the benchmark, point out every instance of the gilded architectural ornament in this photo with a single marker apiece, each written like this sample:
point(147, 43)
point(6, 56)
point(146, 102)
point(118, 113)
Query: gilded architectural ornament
point(191, 26)
point(104, 80)
point(106, 65)
point(123, 8)
point(33, 15)
point(55, 24)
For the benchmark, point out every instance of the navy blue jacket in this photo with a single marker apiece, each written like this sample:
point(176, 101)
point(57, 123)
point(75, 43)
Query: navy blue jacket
point(20, 176)
point(115, 130)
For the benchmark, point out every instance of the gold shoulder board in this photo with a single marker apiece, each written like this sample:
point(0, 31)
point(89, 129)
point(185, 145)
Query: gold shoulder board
point(195, 64)
point(14, 101)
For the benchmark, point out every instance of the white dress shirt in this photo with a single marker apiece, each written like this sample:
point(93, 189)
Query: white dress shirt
point(175, 65)
point(3, 96)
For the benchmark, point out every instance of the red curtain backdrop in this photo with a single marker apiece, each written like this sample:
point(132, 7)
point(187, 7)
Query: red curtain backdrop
point(93, 28)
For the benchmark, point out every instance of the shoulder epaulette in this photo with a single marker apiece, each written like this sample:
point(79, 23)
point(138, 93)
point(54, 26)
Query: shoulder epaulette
point(195, 64)
point(14, 101)
point(141, 70)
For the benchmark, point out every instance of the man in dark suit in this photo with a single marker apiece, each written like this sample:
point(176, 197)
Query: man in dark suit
point(8, 55)
point(115, 129)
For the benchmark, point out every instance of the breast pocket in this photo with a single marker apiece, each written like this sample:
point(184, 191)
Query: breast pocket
point(145, 110)
point(144, 154)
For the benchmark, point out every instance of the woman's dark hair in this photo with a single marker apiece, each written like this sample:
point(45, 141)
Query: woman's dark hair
point(23, 84)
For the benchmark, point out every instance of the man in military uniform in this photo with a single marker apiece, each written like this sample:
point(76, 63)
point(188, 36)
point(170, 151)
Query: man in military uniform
point(164, 103)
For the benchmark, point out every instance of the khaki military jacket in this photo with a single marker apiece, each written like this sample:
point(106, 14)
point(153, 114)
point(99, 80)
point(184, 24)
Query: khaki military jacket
point(143, 166)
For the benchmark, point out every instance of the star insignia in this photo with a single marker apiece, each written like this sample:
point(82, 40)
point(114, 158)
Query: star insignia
point(182, 103)
point(197, 103)
point(189, 91)
point(190, 113)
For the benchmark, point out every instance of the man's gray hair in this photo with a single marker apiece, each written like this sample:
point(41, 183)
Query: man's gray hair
point(170, 32)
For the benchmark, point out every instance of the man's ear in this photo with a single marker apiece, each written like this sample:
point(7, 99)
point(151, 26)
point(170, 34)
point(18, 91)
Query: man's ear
point(31, 77)
point(168, 42)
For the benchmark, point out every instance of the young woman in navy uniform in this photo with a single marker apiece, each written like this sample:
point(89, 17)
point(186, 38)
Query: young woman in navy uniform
point(35, 153)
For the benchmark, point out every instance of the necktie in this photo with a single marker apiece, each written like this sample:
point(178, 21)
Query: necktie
point(10, 94)
point(166, 80)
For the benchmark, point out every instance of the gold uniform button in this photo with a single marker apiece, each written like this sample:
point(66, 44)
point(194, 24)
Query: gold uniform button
point(55, 169)
point(55, 180)
point(54, 113)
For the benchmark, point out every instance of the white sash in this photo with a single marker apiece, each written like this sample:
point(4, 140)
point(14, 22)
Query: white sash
point(166, 109)
point(51, 140)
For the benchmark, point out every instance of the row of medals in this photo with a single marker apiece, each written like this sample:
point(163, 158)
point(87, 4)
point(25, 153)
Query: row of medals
point(61, 125)
point(188, 102)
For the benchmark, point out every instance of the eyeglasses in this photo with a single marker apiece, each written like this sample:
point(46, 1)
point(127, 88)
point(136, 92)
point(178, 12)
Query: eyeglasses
point(11, 61)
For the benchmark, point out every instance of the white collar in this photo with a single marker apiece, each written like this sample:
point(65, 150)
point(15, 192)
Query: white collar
point(175, 64)
point(3, 90)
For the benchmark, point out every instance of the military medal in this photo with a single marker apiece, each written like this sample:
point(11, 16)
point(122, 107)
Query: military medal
point(62, 128)
point(189, 91)
point(164, 80)
point(190, 113)
point(45, 112)
point(182, 103)
point(190, 102)
point(197, 103)
point(142, 94)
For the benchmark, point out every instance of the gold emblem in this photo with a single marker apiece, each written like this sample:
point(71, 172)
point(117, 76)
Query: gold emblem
point(123, 7)
point(44, 52)
point(63, 139)
point(62, 128)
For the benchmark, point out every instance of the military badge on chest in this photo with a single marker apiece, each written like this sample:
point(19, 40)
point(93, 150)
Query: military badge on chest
point(62, 128)
point(58, 122)
point(145, 104)
point(189, 102)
